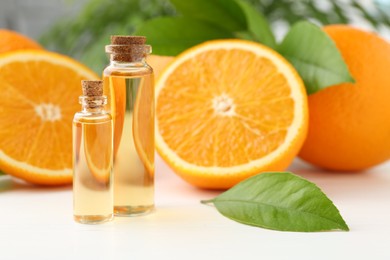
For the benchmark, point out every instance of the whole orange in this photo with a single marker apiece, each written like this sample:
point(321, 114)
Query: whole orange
point(349, 126)
point(11, 41)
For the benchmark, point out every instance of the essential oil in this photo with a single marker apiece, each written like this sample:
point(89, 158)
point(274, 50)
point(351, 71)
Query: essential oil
point(129, 86)
point(92, 157)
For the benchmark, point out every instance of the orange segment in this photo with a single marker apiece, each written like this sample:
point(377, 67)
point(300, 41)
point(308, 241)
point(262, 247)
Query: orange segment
point(229, 109)
point(39, 98)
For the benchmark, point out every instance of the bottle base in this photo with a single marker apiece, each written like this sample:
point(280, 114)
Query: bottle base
point(93, 219)
point(133, 211)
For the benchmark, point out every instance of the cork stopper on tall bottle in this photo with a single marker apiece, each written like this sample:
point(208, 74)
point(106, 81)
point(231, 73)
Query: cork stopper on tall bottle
point(128, 48)
point(127, 40)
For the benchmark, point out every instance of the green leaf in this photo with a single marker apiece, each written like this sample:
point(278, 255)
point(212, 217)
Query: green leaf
point(257, 25)
point(235, 16)
point(315, 56)
point(280, 201)
point(224, 13)
point(172, 35)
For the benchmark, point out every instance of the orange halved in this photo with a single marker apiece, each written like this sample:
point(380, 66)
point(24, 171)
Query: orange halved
point(229, 109)
point(14, 41)
point(40, 93)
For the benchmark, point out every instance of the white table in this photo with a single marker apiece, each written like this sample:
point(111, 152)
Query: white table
point(36, 223)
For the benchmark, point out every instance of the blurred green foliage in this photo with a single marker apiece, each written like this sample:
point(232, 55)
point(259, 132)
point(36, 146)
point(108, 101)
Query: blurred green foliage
point(322, 11)
point(84, 36)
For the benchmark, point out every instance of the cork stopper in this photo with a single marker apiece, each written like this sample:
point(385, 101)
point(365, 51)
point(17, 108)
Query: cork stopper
point(92, 88)
point(92, 94)
point(128, 48)
point(127, 40)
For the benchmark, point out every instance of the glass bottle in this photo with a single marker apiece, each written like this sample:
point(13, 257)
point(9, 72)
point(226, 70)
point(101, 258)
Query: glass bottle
point(129, 86)
point(92, 157)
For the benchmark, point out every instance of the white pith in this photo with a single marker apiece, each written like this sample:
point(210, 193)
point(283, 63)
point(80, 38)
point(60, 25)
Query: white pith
point(223, 105)
point(48, 112)
point(30, 168)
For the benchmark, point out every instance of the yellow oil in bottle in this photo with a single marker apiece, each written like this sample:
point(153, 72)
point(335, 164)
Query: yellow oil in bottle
point(92, 160)
point(131, 102)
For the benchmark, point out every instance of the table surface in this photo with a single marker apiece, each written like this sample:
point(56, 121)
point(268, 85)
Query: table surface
point(37, 223)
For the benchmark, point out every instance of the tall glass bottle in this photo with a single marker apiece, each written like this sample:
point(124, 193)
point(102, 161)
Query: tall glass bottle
point(129, 86)
point(92, 157)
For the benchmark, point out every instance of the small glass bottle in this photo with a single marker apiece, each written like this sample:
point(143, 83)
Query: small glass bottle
point(129, 86)
point(92, 157)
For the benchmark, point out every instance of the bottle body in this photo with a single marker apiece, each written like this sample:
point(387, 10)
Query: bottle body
point(92, 163)
point(130, 91)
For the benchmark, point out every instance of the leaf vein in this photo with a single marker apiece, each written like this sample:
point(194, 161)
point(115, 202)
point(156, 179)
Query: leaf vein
point(278, 207)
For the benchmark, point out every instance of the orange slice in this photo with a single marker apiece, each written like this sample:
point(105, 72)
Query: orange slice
point(229, 109)
point(40, 93)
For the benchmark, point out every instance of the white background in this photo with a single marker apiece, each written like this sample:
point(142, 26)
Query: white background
point(37, 223)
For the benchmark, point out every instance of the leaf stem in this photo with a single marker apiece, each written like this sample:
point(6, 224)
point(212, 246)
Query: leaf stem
point(207, 202)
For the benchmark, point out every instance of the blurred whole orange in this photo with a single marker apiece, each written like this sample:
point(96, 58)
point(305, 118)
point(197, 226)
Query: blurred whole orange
point(12, 41)
point(349, 126)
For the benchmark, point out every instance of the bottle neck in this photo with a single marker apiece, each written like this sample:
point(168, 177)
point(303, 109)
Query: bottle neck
point(93, 105)
point(128, 55)
point(94, 110)
point(126, 61)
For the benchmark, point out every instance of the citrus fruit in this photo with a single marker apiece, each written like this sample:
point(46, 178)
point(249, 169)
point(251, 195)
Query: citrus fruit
point(40, 93)
point(350, 123)
point(11, 41)
point(229, 109)
point(158, 63)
